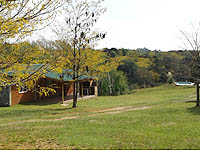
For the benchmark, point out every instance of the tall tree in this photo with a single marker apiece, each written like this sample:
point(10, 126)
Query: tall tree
point(19, 18)
point(77, 31)
point(191, 43)
point(131, 71)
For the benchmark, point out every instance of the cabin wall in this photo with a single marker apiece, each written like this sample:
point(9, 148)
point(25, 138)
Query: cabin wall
point(46, 82)
point(29, 96)
point(10, 95)
point(18, 98)
point(69, 89)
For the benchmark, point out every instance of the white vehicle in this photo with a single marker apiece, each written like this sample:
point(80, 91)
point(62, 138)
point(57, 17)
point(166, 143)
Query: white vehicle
point(184, 83)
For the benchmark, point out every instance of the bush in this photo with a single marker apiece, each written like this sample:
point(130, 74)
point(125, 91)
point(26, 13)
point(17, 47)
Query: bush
point(119, 83)
point(114, 84)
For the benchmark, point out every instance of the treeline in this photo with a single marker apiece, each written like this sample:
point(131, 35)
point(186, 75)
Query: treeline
point(143, 68)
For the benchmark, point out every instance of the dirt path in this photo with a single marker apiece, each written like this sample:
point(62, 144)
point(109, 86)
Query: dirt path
point(115, 110)
point(118, 110)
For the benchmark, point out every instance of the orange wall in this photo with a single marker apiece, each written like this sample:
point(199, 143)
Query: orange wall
point(69, 89)
point(30, 96)
point(19, 98)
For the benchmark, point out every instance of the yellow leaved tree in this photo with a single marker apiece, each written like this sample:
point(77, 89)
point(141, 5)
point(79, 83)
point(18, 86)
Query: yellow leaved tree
point(91, 63)
point(77, 30)
point(18, 60)
point(99, 63)
point(20, 17)
point(77, 37)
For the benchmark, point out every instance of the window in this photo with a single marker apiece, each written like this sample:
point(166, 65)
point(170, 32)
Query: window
point(23, 89)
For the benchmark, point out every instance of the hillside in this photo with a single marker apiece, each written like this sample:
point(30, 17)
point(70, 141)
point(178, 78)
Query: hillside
point(160, 117)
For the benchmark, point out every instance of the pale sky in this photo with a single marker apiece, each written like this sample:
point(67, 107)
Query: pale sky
point(154, 24)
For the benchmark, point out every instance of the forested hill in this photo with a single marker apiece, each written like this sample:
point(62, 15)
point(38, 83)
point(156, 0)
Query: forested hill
point(145, 68)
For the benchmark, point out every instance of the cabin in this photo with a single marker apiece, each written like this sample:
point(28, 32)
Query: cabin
point(12, 95)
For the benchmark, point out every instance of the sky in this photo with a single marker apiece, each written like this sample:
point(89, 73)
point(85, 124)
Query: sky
point(154, 24)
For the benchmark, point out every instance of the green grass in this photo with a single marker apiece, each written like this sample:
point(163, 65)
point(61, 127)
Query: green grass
point(171, 121)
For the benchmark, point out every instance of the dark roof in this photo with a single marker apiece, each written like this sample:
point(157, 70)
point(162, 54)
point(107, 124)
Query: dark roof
point(54, 75)
point(57, 76)
point(66, 77)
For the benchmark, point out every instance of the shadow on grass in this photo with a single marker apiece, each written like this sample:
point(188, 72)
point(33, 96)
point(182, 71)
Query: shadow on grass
point(44, 102)
point(190, 101)
point(194, 110)
point(37, 108)
point(19, 112)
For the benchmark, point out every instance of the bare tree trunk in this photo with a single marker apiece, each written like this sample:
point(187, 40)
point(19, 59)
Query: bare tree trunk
point(191, 42)
point(197, 104)
point(74, 86)
point(109, 84)
point(78, 23)
point(74, 95)
point(63, 92)
point(74, 72)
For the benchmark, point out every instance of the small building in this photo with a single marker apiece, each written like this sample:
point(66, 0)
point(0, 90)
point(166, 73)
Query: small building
point(12, 95)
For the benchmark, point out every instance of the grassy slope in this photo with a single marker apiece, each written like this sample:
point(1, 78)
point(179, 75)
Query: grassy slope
point(169, 123)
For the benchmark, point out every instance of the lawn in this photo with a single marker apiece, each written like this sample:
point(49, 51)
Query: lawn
point(160, 117)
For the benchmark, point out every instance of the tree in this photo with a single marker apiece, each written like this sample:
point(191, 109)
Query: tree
point(191, 43)
point(115, 83)
point(19, 18)
point(77, 32)
point(26, 63)
point(181, 67)
point(93, 63)
point(131, 71)
point(119, 83)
